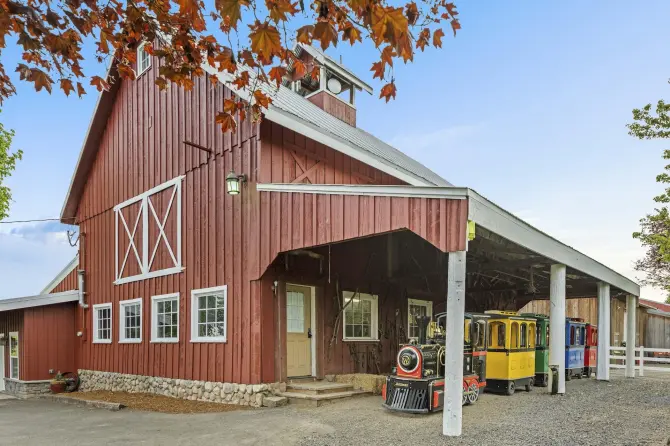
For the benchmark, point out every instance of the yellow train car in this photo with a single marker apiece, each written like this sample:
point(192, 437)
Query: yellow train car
point(511, 352)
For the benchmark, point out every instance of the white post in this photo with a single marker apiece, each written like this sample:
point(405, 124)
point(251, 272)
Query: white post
point(557, 324)
point(631, 304)
point(641, 371)
point(452, 415)
point(604, 316)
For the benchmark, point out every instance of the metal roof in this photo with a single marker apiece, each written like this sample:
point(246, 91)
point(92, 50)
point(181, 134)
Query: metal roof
point(40, 300)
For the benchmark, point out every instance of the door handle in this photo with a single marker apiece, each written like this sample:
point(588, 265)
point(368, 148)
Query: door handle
point(309, 332)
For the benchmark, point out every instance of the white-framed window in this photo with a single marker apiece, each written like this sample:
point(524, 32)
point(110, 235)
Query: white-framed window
point(360, 317)
point(416, 307)
point(130, 321)
point(143, 59)
point(148, 234)
point(165, 318)
point(13, 355)
point(209, 311)
point(102, 324)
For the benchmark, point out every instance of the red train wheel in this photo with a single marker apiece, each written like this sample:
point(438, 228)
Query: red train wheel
point(465, 393)
point(474, 392)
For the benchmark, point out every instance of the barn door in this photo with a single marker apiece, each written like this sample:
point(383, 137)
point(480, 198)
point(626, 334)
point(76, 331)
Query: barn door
point(298, 331)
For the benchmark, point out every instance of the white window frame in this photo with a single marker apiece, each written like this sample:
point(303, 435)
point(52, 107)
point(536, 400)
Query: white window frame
point(418, 303)
point(154, 317)
point(194, 314)
point(122, 321)
point(146, 260)
point(96, 339)
point(14, 334)
point(374, 322)
point(140, 49)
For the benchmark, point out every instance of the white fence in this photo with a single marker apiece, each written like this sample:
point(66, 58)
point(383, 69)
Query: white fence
point(641, 360)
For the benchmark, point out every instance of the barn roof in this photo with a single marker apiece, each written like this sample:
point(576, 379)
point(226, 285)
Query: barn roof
point(288, 109)
point(74, 263)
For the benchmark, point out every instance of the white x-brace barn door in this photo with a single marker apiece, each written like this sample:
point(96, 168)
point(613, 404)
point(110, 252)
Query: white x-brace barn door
point(141, 236)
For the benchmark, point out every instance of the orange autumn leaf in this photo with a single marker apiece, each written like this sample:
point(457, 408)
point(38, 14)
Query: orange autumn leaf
point(277, 75)
point(262, 99)
point(412, 13)
point(80, 89)
point(377, 70)
point(299, 69)
point(265, 41)
point(388, 53)
point(325, 33)
point(66, 86)
point(388, 24)
point(226, 121)
point(352, 34)
point(232, 10)
point(229, 106)
point(388, 92)
point(280, 10)
point(242, 80)
point(437, 38)
point(455, 25)
point(304, 34)
point(99, 83)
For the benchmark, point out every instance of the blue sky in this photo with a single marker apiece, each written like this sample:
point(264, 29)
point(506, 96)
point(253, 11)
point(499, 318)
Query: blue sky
point(527, 105)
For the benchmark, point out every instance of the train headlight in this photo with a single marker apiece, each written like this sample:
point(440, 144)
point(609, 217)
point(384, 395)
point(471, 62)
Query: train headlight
point(408, 359)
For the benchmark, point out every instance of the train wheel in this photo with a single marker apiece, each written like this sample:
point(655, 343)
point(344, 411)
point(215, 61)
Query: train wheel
point(474, 393)
point(568, 375)
point(529, 386)
point(465, 393)
point(545, 380)
point(511, 387)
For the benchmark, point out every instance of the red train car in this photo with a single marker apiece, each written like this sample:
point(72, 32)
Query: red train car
point(591, 350)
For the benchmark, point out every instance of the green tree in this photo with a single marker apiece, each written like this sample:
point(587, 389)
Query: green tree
point(7, 165)
point(654, 233)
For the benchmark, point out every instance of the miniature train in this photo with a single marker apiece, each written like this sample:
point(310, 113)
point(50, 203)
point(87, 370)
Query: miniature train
point(502, 351)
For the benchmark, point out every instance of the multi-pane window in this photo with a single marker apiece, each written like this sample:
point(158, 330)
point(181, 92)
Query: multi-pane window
point(165, 318)
point(524, 328)
point(295, 312)
point(143, 59)
point(130, 315)
point(209, 311)
point(102, 323)
point(13, 355)
point(416, 308)
point(360, 316)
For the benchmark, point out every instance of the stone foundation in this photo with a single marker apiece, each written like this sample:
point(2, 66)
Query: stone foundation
point(217, 392)
point(26, 389)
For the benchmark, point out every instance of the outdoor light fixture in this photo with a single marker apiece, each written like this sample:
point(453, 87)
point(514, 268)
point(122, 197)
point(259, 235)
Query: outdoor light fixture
point(233, 181)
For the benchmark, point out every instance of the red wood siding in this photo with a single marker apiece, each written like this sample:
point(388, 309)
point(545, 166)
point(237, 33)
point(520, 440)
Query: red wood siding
point(12, 321)
point(334, 106)
point(68, 283)
point(49, 341)
point(288, 157)
point(294, 220)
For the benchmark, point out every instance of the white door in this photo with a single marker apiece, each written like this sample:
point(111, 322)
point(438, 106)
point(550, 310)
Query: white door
point(2, 368)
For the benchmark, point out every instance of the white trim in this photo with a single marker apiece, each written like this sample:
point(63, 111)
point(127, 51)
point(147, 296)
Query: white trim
point(97, 307)
point(17, 357)
point(427, 304)
point(139, 72)
point(154, 317)
point(151, 275)
point(334, 66)
point(18, 303)
point(374, 322)
point(122, 321)
point(194, 314)
point(74, 263)
point(2, 368)
point(486, 214)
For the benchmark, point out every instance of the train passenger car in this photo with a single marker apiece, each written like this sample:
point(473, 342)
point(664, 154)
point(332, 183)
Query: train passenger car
point(416, 384)
point(590, 350)
point(541, 348)
point(575, 337)
point(511, 352)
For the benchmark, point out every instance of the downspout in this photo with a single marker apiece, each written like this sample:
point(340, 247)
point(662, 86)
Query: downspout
point(80, 279)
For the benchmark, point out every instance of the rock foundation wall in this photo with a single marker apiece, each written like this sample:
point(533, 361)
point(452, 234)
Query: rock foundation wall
point(217, 392)
point(26, 389)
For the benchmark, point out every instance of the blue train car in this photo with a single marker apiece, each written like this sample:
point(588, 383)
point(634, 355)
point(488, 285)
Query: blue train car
point(575, 341)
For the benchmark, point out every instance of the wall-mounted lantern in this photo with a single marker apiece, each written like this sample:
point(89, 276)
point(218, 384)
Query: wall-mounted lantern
point(233, 182)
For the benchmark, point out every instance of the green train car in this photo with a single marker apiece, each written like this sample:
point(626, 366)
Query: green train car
point(541, 348)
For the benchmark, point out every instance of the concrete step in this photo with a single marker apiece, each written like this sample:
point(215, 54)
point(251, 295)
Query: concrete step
point(275, 401)
point(310, 400)
point(318, 387)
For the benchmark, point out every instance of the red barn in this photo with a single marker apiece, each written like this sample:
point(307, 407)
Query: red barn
point(312, 269)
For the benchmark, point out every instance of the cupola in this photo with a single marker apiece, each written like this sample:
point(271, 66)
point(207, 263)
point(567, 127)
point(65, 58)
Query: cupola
point(334, 91)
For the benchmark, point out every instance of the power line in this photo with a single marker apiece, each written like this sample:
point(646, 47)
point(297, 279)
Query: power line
point(39, 220)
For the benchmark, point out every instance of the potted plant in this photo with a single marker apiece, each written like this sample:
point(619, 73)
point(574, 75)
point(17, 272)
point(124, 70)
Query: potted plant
point(57, 384)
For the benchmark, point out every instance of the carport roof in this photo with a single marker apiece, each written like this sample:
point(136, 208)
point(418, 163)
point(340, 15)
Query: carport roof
point(487, 215)
point(18, 303)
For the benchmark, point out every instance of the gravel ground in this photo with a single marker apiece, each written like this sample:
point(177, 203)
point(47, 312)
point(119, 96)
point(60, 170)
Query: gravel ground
point(156, 403)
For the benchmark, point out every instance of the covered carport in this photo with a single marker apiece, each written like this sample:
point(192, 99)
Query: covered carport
point(494, 260)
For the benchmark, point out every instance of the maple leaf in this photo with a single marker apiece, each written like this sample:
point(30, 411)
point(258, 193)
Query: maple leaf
point(388, 53)
point(304, 34)
point(412, 13)
point(378, 70)
point(455, 25)
point(388, 24)
point(80, 89)
point(262, 99)
point(161, 83)
point(99, 83)
point(189, 7)
point(229, 106)
point(299, 69)
point(451, 9)
point(41, 80)
point(277, 74)
point(66, 86)
point(422, 40)
point(265, 41)
point(278, 9)
point(388, 92)
point(226, 121)
point(242, 80)
point(231, 9)
point(325, 33)
point(352, 34)
point(437, 38)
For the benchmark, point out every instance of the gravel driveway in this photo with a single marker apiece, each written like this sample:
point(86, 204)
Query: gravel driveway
point(630, 412)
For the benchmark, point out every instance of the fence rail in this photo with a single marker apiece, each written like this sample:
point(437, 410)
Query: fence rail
point(640, 359)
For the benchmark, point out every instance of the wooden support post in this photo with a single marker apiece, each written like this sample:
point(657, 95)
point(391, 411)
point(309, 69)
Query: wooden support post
point(452, 415)
point(557, 325)
point(603, 361)
point(631, 313)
